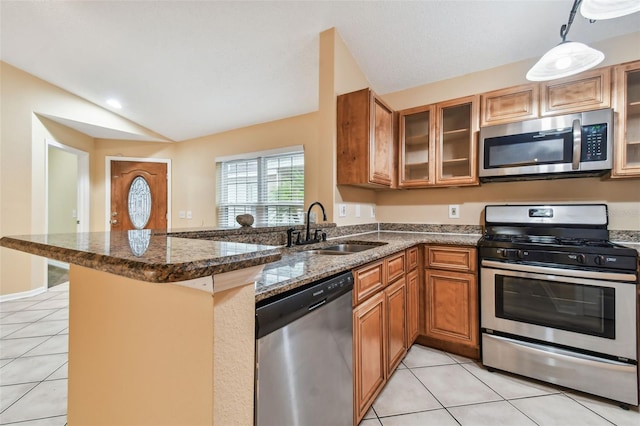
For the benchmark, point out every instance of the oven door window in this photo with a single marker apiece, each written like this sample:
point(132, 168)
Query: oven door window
point(579, 308)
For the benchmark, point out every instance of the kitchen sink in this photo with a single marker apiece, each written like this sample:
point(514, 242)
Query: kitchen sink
point(344, 249)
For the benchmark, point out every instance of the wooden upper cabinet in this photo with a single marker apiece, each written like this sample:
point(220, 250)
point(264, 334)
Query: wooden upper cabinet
point(582, 92)
point(509, 105)
point(365, 140)
point(417, 135)
point(438, 144)
point(457, 148)
point(627, 105)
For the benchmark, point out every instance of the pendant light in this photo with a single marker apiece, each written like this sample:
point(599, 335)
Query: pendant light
point(607, 9)
point(567, 58)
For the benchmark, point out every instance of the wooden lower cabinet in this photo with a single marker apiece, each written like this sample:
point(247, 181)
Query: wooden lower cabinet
point(369, 352)
point(396, 296)
point(450, 307)
point(452, 312)
point(413, 307)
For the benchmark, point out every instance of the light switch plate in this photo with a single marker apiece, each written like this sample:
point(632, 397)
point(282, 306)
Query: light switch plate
point(454, 211)
point(342, 209)
point(357, 210)
point(189, 214)
point(373, 211)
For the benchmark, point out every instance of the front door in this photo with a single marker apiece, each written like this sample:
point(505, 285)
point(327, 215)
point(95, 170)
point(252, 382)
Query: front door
point(138, 195)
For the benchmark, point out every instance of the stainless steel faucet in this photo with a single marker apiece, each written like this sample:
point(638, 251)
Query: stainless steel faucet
point(324, 219)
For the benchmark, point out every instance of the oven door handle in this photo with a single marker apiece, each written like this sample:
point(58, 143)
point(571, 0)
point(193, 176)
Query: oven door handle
point(596, 275)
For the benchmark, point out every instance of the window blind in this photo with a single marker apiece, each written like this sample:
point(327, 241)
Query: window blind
point(271, 188)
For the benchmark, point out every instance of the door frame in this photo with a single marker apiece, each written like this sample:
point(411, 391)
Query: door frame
point(107, 184)
point(83, 201)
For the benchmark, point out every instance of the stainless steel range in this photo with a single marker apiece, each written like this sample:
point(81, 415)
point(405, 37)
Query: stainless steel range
point(558, 299)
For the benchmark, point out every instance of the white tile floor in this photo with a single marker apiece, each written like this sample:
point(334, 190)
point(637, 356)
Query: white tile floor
point(430, 387)
point(34, 344)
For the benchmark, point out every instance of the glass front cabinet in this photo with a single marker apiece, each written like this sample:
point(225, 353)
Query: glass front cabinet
point(417, 147)
point(438, 144)
point(627, 104)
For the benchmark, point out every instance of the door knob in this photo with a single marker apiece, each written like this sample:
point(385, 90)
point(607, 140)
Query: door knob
point(114, 221)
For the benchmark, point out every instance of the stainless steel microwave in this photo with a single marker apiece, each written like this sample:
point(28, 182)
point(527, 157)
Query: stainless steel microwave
point(563, 146)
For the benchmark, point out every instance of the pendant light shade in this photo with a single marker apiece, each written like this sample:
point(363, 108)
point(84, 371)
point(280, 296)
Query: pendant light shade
point(607, 9)
point(567, 58)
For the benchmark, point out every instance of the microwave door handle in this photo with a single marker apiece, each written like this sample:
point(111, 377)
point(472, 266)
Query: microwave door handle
point(577, 144)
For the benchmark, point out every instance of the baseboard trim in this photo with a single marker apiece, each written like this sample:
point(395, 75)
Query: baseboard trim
point(22, 294)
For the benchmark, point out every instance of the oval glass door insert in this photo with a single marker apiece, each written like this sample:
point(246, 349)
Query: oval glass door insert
point(139, 202)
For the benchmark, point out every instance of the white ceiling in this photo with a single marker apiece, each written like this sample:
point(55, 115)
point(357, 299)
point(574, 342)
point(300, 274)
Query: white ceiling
point(186, 69)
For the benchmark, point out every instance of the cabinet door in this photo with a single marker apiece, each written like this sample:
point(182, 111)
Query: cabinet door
point(417, 142)
point(585, 91)
point(396, 295)
point(457, 142)
point(413, 306)
point(627, 103)
point(509, 105)
point(381, 144)
point(452, 307)
point(369, 353)
point(365, 148)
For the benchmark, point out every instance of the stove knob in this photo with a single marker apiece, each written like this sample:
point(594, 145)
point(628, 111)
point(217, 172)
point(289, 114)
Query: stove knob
point(580, 259)
point(505, 253)
point(520, 254)
point(599, 260)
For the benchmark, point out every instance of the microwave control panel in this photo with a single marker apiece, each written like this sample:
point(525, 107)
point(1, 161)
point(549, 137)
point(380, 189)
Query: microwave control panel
point(594, 143)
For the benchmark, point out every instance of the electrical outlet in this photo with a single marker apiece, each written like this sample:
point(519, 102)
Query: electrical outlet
point(373, 211)
point(182, 214)
point(342, 208)
point(454, 211)
point(357, 210)
point(189, 214)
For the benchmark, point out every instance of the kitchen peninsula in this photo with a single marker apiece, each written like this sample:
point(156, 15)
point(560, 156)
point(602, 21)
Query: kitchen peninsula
point(161, 328)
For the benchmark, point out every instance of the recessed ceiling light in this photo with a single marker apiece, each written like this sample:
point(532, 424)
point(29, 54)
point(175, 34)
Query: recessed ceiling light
point(114, 103)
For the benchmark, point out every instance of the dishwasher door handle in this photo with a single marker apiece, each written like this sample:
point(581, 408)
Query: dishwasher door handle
point(317, 305)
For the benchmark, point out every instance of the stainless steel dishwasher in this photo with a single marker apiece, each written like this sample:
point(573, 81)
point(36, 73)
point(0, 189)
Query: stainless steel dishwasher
point(304, 351)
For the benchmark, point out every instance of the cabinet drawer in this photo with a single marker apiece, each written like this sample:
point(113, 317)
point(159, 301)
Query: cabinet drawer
point(396, 266)
point(412, 258)
point(367, 281)
point(452, 258)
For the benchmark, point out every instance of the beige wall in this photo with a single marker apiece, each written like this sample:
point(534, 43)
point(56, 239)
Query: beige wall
point(62, 201)
point(339, 73)
point(431, 205)
point(25, 99)
point(194, 171)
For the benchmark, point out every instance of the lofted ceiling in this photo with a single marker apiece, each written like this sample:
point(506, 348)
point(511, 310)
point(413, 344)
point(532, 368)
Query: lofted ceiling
point(186, 69)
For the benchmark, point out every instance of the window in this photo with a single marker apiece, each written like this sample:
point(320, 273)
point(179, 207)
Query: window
point(270, 187)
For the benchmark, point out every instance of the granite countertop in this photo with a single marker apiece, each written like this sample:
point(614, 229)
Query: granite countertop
point(298, 267)
point(145, 256)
